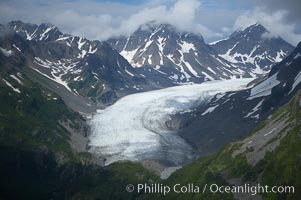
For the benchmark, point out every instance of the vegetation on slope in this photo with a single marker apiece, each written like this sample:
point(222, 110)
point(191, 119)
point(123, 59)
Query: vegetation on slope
point(280, 167)
point(37, 160)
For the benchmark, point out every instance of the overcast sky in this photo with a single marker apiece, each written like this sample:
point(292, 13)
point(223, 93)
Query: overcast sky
point(101, 19)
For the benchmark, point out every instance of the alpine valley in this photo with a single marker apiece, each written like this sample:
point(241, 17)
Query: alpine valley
point(82, 119)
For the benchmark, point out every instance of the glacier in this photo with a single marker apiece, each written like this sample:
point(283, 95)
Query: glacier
point(135, 127)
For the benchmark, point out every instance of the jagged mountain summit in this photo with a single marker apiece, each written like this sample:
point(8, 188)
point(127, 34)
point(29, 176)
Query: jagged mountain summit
point(244, 109)
point(42, 32)
point(253, 49)
point(75, 66)
point(153, 57)
point(161, 46)
point(184, 53)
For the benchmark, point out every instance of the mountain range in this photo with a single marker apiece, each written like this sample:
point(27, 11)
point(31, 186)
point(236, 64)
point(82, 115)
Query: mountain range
point(244, 109)
point(51, 83)
point(153, 57)
point(245, 53)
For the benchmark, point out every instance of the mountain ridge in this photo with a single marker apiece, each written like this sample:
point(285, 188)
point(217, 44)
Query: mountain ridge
point(250, 48)
point(81, 67)
point(40, 159)
point(163, 45)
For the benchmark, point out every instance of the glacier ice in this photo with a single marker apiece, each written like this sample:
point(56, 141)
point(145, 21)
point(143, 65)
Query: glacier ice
point(134, 128)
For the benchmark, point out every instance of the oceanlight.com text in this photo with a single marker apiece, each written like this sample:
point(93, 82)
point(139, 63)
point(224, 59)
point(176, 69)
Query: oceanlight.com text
point(159, 188)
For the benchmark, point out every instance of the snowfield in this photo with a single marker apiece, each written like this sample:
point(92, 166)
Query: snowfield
point(135, 127)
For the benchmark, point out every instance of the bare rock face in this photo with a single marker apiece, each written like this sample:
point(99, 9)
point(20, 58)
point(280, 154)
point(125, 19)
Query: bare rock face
point(247, 53)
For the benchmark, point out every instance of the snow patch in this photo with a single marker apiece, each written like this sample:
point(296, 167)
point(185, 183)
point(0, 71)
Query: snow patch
point(217, 41)
point(92, 51)
point(129, 73)
point(16, 79)
point(185, 47)
point(63, 38)
point(6, 52)
point(12, 87)
point(188, 66)
point(16, 47)
point(255, 109)
point(209, 110)
point(208, 76)
point(161, 48)
point(264, 88)
point(129, 55)
point(80, 43)
point(43, 36)
point(57, 70)
point(297, 56)
point(211, 70)
point(297, 80)
point(280, 55)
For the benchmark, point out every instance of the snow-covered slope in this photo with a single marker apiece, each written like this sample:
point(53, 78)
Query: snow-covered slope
point(185, 54)
point(137, 127)
point(253, 50)
point(87, 68)
point(284, 78)
point(233, 115)
point(264, 88)
point(43, 32)
point(244, 54)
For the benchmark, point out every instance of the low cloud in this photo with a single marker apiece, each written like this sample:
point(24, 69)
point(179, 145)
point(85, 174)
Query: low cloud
point(182, 15)
point(276, 22)
point(105, 20)
point(291, 6)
